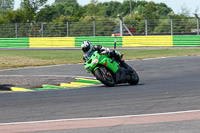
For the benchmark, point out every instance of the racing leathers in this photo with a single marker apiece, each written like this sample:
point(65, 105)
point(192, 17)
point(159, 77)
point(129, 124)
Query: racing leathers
point(112, 54)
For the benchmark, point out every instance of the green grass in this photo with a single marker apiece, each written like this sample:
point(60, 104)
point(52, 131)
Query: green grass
point(25, 58)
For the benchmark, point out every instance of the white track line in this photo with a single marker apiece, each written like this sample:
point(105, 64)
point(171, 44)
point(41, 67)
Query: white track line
point(39, 67)
point(47, 76)
point(99, 118)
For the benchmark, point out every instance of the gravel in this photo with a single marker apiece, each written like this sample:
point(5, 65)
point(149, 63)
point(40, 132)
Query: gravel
point(31, 81)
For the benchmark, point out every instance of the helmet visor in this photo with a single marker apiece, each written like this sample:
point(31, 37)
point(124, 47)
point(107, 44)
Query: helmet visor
point(85, 49)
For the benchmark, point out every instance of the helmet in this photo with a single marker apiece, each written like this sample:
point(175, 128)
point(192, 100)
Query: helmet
point(86, 46)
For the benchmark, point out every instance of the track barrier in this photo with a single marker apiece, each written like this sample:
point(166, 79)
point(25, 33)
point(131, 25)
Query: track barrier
point(106, 41)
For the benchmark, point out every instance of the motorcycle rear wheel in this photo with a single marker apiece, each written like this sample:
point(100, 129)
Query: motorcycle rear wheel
point(105, 78)
point(134, 78)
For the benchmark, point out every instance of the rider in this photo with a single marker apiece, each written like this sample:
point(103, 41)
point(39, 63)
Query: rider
point(87, 46)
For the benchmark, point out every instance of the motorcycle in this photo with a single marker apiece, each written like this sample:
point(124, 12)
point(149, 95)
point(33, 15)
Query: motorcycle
point(109, 71)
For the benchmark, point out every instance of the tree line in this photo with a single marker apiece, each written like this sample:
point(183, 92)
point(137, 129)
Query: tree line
point(71, 10)
point(34, 12)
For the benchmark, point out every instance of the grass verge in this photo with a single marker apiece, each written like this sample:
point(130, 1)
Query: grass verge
point(26, 58)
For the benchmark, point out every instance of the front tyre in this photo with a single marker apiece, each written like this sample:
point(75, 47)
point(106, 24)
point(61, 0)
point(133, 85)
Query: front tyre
point(104, 75)
point(134, 78)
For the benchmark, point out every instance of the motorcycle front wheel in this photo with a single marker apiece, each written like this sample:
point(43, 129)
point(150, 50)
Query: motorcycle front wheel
point(104, 75)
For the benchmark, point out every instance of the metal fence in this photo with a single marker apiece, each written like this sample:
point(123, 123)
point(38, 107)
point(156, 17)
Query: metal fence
point(102, 28)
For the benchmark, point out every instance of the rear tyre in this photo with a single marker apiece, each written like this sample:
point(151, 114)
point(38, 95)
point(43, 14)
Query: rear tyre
point(104, 75)
point(134, 78)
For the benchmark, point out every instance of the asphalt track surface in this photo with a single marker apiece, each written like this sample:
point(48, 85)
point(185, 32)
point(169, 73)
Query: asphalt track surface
point(166, 85)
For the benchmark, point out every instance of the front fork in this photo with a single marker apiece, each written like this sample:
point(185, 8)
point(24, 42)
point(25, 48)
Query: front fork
point(106, 74)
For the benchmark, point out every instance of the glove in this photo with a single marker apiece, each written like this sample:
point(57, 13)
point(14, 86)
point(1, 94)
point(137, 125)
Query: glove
point(85, 58)
point(105, 51)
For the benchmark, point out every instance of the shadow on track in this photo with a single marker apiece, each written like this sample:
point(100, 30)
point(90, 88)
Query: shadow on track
point(121, 85)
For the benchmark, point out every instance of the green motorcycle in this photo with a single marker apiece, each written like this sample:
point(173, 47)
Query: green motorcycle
point(109, 71)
